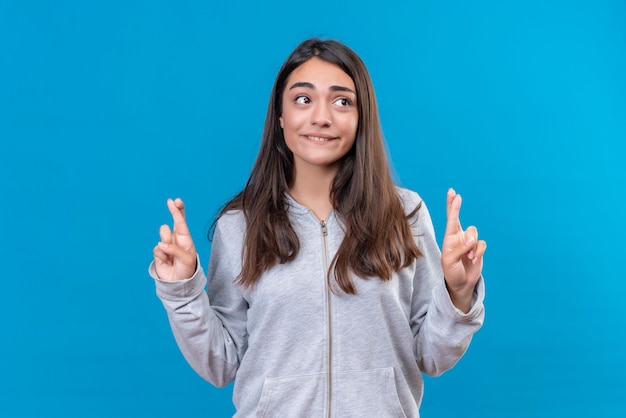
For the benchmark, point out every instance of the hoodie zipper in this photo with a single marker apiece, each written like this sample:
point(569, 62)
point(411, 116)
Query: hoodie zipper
point(328, 312)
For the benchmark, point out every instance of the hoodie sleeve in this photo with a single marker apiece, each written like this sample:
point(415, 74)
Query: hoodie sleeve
point(442, 332)
point(209, 327)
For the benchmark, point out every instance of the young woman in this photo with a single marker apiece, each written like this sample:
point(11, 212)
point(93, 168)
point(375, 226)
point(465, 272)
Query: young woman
point(327, 293)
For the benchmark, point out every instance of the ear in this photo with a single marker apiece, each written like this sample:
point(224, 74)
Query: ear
point(280, 119)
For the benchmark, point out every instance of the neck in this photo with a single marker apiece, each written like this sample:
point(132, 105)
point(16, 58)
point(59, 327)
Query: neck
point(311, 188)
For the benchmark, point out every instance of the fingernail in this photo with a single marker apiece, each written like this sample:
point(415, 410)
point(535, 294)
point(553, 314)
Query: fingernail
point(163, 245)
point(469, 241)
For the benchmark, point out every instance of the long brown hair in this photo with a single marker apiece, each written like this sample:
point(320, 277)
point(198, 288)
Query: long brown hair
point(378, 238)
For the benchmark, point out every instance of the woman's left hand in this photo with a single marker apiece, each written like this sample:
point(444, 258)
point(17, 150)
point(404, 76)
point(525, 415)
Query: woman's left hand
point(461, 256)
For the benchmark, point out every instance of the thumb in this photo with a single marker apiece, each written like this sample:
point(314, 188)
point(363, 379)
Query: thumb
point(177, 252)
point(184, 263)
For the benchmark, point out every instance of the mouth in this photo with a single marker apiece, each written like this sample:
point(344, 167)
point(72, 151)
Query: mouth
point(318, 138)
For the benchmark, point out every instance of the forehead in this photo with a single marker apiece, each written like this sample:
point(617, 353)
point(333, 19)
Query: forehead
point(322, 74)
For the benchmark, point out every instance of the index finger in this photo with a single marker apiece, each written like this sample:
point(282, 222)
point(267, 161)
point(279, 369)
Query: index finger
point(449, 198)
point(180, 205)
point(176, 209)
point(453, 224)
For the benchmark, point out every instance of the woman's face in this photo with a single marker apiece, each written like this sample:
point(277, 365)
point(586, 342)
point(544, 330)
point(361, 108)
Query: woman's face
point(320, 115)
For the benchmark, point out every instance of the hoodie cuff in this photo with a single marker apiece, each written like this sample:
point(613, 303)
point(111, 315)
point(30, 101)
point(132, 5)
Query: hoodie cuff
point(179, 289)
point(444, 303)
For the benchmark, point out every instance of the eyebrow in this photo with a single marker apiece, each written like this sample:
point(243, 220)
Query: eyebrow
point(312, 87)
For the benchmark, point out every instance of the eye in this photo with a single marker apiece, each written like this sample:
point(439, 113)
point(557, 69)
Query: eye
point(343, 102)
point(302, 100)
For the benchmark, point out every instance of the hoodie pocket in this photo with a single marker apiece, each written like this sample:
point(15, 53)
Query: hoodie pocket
point(369, 393)
point(293, 396)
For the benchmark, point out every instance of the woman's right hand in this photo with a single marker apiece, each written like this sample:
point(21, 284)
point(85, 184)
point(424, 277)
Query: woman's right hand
point(175, 255)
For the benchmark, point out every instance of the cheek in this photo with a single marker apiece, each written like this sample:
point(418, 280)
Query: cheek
point(351, 125)
point(290, 120)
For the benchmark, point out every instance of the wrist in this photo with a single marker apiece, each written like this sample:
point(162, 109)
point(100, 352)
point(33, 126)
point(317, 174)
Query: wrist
point(461, 298)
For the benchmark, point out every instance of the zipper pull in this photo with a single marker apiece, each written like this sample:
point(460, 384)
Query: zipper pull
point(324, 231)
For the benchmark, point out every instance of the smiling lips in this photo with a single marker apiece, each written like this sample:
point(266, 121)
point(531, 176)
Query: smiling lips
point(319, 138)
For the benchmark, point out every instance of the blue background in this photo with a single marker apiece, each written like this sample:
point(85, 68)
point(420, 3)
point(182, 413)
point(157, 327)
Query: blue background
point(108, 108)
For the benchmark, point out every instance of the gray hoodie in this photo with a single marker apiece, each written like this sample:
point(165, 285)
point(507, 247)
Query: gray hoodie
point(295, 349)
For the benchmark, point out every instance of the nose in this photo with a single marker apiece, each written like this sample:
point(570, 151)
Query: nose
point(321, 115)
